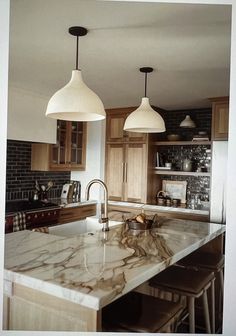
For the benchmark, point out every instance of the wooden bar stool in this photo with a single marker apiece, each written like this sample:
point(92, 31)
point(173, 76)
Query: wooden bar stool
point(187, 283)
point(213, 262)
point(136, 312)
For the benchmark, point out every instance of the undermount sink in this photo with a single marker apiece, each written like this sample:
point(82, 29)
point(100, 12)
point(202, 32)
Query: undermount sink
point(90, 224)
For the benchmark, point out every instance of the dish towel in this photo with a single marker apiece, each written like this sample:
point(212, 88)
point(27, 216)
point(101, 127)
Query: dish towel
point(19, 221)
point(43, 229)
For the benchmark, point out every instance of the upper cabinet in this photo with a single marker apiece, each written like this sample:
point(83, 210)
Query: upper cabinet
point(220, 118)
point(69, 152)
point(26, 117)
point(115, 123)
point(126, 159)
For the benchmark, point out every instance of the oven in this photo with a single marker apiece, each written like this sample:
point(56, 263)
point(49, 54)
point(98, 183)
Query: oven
point(36, 214)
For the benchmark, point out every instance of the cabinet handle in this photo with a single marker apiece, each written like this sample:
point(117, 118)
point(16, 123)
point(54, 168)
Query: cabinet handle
point(125, 171)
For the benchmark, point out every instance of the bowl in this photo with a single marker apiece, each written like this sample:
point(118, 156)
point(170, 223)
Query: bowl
point(173, 137)
point(134, 225)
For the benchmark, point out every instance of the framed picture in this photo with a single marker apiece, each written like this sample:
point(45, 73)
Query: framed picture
point(175, 189)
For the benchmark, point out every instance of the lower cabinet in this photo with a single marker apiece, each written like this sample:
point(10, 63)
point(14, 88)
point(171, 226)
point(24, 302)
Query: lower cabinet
point(126, 172)
point(72, 214)
point(30, 309)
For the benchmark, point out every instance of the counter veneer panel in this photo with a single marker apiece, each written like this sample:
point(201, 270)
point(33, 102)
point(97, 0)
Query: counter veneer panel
point(179, 215)
point(33, 310)
point(71, 214)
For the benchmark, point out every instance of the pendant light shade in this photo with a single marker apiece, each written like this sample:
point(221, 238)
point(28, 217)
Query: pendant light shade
point(145, 119)
point(75, 101)
point(187, 123)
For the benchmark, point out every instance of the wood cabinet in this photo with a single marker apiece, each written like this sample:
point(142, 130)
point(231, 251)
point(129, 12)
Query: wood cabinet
point(126, 159)
point(220, 118)
point(69, 152)
point(31, 309)
point(115, 123)
point(126, 172)
point(72, 214)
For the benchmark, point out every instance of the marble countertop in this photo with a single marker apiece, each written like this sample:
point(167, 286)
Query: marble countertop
point(95, 269)
point(143, 206)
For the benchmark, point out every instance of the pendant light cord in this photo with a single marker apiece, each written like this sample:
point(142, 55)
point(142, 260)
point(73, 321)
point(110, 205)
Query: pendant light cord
point(77, 54)
point(145, 89)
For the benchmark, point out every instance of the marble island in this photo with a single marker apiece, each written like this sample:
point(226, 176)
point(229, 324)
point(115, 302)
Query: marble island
point(90, 270)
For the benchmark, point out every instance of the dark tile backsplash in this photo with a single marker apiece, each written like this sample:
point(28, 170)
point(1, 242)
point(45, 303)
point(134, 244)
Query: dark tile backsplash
point(20, 180)
point(200, 156)
point(201, 117)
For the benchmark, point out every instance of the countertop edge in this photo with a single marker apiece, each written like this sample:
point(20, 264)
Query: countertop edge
point(158, 207)
point(94, 302)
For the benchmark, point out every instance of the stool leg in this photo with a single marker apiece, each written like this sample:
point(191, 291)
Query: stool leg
point(191, 310)
point(206, 312)
point(221, 293)
point(213, 306)
point(221, 281)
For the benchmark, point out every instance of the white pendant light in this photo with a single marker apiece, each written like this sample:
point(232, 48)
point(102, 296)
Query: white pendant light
point(187, 123)
point(75, 101)
point(145, 119)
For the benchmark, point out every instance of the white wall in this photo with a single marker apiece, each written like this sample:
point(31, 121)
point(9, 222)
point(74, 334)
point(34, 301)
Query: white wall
point(4, 47)
point(218, 181)
point(94, 159)
point(26, 117)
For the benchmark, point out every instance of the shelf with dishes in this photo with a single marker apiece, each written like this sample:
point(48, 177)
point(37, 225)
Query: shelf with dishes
point(181, 143)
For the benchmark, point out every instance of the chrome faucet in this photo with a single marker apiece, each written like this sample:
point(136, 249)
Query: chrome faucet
point(104, 217)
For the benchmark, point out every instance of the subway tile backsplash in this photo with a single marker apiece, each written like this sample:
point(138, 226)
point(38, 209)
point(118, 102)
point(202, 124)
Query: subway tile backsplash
point(201, 117)
point(20, 180)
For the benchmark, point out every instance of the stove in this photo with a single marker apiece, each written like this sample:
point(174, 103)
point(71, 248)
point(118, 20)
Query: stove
point(37, 213)
point(24, 205)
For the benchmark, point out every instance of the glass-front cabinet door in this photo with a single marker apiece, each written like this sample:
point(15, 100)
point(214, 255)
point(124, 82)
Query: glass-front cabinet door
point(69, 152)
point(59, 149)
point(77, 141)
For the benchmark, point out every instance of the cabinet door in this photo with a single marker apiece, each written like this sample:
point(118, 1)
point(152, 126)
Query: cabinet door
point(77, 144)
point(220, 121)
point(115, 124)
point(135, 173)
point(115, 171)
point(69, 153)
point(59, 154)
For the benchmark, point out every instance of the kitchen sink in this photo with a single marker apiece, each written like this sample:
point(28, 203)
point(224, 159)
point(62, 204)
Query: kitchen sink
point(90, 224)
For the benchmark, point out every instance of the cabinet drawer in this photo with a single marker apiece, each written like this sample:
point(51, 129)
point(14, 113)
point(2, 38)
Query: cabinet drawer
point(73, 214)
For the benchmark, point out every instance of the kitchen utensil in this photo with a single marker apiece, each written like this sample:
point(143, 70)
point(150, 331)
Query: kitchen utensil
point(175, 202)
point(161, 197)
point(65, 190)
point(50, 184)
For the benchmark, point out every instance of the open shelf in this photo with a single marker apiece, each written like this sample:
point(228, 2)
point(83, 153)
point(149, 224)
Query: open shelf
point(181, 143)
point(173, 172)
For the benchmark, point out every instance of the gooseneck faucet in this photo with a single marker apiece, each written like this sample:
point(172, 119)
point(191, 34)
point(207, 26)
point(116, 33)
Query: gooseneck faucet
point(104, 216)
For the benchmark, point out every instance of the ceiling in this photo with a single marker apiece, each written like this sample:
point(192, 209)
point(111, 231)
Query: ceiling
point(187, 45)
